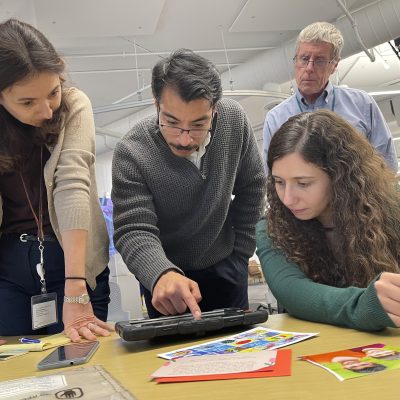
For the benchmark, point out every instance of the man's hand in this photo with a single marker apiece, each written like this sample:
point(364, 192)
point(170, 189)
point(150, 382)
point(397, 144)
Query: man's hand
point(388, 292)
point(174, 293)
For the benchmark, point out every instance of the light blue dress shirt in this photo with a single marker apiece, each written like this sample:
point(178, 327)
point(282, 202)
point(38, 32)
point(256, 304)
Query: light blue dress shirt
point(356, 106)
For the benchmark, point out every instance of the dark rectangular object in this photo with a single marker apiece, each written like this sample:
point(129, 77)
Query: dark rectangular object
point(185, 324)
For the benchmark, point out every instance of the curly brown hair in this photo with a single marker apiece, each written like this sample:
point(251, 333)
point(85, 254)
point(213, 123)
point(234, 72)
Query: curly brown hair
point(365, 203)
point(25, 52)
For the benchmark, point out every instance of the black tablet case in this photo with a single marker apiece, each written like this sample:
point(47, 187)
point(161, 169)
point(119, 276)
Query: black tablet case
point(184, 324)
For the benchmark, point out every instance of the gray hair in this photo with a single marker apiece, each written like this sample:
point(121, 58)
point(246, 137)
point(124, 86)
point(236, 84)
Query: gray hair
point(322, 32)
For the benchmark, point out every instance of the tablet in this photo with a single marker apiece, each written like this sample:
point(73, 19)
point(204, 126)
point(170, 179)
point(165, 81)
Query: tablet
point(184, 324)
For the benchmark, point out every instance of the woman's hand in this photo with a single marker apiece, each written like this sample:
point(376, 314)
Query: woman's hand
point(79, 321)
point(388, 292)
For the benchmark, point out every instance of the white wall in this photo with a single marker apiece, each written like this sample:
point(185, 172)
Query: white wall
point(103, 173)
point(130, 300)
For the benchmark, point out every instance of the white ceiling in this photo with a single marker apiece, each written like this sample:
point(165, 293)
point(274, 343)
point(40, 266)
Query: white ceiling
point(111, 46)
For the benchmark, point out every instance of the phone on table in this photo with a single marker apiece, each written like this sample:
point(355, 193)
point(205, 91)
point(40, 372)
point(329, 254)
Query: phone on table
point(70, 354)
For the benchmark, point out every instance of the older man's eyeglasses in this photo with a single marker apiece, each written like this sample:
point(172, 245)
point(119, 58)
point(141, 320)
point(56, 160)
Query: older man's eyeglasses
point(303, 61)
point(194, 133)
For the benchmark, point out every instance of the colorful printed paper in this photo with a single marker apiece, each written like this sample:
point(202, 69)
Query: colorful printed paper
point(358, 361)
point(255, 339)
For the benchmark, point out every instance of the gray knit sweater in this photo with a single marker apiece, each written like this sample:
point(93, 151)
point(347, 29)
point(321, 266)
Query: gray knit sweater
point(168, 214)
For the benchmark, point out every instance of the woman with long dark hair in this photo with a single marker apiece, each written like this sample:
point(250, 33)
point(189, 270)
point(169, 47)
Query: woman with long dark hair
point(53, 244)
point(329, 246)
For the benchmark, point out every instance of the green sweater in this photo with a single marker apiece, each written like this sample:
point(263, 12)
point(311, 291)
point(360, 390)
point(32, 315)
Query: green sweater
point(353, 307)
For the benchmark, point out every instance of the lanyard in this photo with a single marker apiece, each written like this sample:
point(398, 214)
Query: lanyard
point(333, 101)
point(39, 221)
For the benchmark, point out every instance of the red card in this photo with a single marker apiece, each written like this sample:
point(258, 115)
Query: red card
point(282, 367)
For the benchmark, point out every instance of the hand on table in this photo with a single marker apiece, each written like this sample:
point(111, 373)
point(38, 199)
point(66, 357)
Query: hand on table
point(79, 321)
point(174, 293)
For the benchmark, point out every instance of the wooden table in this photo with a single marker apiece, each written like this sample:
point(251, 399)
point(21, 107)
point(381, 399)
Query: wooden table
point(132, 363)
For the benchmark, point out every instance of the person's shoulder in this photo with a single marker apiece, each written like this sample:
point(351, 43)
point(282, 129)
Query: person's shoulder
point(75, 95)
point(284, 104)
point(282, 109)
point(142, 130)
point(229, 106)
point(143, 125)
point(230, 115)
point(263, 238)
point(77, 101)
point(262, 225)
point(137, 142)
point(353, 93)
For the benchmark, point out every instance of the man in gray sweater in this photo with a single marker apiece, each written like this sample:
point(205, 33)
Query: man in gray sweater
point(188, 188)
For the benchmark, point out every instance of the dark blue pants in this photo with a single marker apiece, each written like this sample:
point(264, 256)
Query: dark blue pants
point(19, 281)
point(222, 285)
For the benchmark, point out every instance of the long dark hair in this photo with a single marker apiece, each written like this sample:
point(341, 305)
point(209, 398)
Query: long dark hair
point(24, 52)
point(365, 203)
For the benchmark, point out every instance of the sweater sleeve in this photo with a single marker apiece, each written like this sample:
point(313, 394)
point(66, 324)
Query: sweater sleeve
point(136, 235)
point(249, 192)
point(72, 182)
point(353, 307)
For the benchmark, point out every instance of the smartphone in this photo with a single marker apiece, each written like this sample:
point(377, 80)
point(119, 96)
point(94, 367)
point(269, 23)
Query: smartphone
point(70, 354)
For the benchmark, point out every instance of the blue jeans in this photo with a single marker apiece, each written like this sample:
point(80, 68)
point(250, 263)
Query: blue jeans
point(222, 285)
point(19, 281)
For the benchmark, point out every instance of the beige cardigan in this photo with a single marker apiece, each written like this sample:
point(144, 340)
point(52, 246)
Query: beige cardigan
point(70, 180)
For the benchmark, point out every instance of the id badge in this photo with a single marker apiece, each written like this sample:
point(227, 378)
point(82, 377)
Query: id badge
point(44, 310)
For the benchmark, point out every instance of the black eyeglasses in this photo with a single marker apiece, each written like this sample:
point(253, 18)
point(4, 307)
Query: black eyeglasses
point(194, 133)
point(303, 61)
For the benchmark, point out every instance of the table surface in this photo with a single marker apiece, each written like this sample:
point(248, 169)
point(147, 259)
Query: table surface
point(132, 363)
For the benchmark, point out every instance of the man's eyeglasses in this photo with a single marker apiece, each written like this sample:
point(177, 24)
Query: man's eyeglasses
point(303, 61)
point(194, 133)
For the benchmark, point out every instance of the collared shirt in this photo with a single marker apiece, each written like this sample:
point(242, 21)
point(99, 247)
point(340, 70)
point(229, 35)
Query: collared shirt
point(196, 156)
point(355, 106)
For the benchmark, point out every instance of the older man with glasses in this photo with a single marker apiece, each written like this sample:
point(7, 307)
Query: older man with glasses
point(188, 189)
point(317, 56)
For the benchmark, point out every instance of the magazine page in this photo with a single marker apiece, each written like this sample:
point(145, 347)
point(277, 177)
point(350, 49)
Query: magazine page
point(255, 339)
point(358, 361)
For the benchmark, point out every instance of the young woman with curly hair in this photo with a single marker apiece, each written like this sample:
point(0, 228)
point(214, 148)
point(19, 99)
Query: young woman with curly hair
point(54, 243)
point(330, 244)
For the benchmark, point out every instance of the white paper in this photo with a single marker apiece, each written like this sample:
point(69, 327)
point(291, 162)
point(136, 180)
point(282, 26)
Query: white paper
point(217, 364)
point(11, 389)
point(44, 314)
